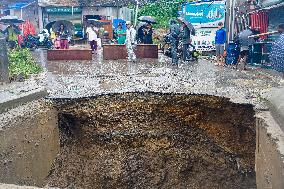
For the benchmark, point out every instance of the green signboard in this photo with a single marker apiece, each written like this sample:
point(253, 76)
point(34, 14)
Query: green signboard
point(63, 9)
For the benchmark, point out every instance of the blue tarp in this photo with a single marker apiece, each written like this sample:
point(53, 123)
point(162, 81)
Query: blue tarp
point(17, 5)
point(117, 21)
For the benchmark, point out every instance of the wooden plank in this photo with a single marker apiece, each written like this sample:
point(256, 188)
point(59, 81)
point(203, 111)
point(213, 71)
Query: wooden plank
point(116, 52)
point(69, 54)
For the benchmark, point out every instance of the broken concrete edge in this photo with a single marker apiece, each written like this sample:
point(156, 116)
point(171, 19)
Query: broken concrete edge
point(274, 131)
point(275, 102)
point(12, 186)
point(14, 102)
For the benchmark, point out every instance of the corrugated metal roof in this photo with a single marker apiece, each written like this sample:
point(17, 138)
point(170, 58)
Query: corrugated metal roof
point(84, 2)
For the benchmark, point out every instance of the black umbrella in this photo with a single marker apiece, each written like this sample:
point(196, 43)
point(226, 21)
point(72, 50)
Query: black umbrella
point(67, 25)
point(11, 20)
point(148, 19)
point(141, 24)
point(49, 26)
point(188, 24)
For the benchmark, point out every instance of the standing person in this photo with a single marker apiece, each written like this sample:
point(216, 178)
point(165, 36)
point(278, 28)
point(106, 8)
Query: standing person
point(130, 41)
point(56, 41)
point(185, 35)
point(63, 33)
point(140, 35)
point(277, 52)
point(245, 42)
point(148, 34)
point(92, 33)
point(174, 35)
point(121, 34)
point(220, 39)
point(12, 35)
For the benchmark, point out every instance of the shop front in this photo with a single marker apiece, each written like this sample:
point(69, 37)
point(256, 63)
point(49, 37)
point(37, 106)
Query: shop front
point(72, 14)
point(264, 16)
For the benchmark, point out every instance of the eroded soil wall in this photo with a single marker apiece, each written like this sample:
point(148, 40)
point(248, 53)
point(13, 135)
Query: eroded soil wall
point(149, 140)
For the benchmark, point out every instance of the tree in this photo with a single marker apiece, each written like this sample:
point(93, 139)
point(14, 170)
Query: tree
point(162, 10)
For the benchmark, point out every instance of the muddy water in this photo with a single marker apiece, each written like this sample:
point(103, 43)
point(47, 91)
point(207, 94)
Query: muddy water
point(149, 140)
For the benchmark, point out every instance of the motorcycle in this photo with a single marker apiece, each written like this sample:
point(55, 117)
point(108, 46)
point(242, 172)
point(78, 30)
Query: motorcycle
point(166, 48)
point(35, 42)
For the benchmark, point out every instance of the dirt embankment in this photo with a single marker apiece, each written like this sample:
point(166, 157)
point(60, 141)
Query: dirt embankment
point(155, 141)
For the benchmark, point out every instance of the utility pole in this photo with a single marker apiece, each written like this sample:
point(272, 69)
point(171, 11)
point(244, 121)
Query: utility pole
point(136, 13)
point(4, 72)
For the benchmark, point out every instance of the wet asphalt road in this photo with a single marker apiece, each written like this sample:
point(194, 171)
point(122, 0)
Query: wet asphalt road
point(75, 79)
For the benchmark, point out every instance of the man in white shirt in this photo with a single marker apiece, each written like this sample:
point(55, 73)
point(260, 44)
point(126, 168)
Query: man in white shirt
point(130, 41)
point(92, 33)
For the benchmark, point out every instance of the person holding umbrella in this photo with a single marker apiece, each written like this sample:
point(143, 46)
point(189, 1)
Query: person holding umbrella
point(130, 41)
point(148, 34)
point(63, 33)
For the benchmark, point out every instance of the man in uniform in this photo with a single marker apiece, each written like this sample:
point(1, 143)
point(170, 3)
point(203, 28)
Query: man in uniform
point(130, 41)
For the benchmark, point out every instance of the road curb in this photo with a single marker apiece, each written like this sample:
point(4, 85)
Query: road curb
point(275, 102)
point(13, 102)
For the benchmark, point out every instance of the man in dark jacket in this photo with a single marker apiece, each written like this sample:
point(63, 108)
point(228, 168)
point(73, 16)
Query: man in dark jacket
point(185, 35)
point(174, 35)
point(245, 41)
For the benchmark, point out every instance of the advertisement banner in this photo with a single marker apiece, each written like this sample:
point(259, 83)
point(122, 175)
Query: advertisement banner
point(63, 9)
point(205, 14)
point(204, 40)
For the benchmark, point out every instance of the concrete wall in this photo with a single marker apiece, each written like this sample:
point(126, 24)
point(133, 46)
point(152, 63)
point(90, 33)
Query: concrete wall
point(29, 143)
point(29, 13)
point(269, 153)
point(111, 12)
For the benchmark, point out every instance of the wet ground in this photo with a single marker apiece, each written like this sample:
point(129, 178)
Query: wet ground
point(72, 79)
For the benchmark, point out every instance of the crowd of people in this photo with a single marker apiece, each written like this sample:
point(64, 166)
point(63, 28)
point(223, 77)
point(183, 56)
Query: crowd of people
point(178, 34)
point(144, 34)
point(244, 40)
point(60, 38)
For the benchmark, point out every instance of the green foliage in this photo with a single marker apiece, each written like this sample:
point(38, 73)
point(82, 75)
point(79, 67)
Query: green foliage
point(21, 62)
point(163, 11)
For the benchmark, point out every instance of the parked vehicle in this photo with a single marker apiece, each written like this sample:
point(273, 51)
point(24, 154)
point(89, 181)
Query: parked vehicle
point(166, 48)
point(42, 40)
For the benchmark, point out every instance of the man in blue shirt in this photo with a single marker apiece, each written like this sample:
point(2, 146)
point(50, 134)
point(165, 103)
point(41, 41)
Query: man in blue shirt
point(220, 40)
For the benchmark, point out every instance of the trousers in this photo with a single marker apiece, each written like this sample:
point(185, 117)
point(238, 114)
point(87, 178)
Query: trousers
point(130, 52)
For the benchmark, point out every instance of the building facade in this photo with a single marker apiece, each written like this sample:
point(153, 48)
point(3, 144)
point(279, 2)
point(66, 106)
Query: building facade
point(263, 15)
point(77, 13)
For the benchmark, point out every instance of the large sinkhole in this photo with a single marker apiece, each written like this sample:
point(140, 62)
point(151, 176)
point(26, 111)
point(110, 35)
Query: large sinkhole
point(153, 140)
